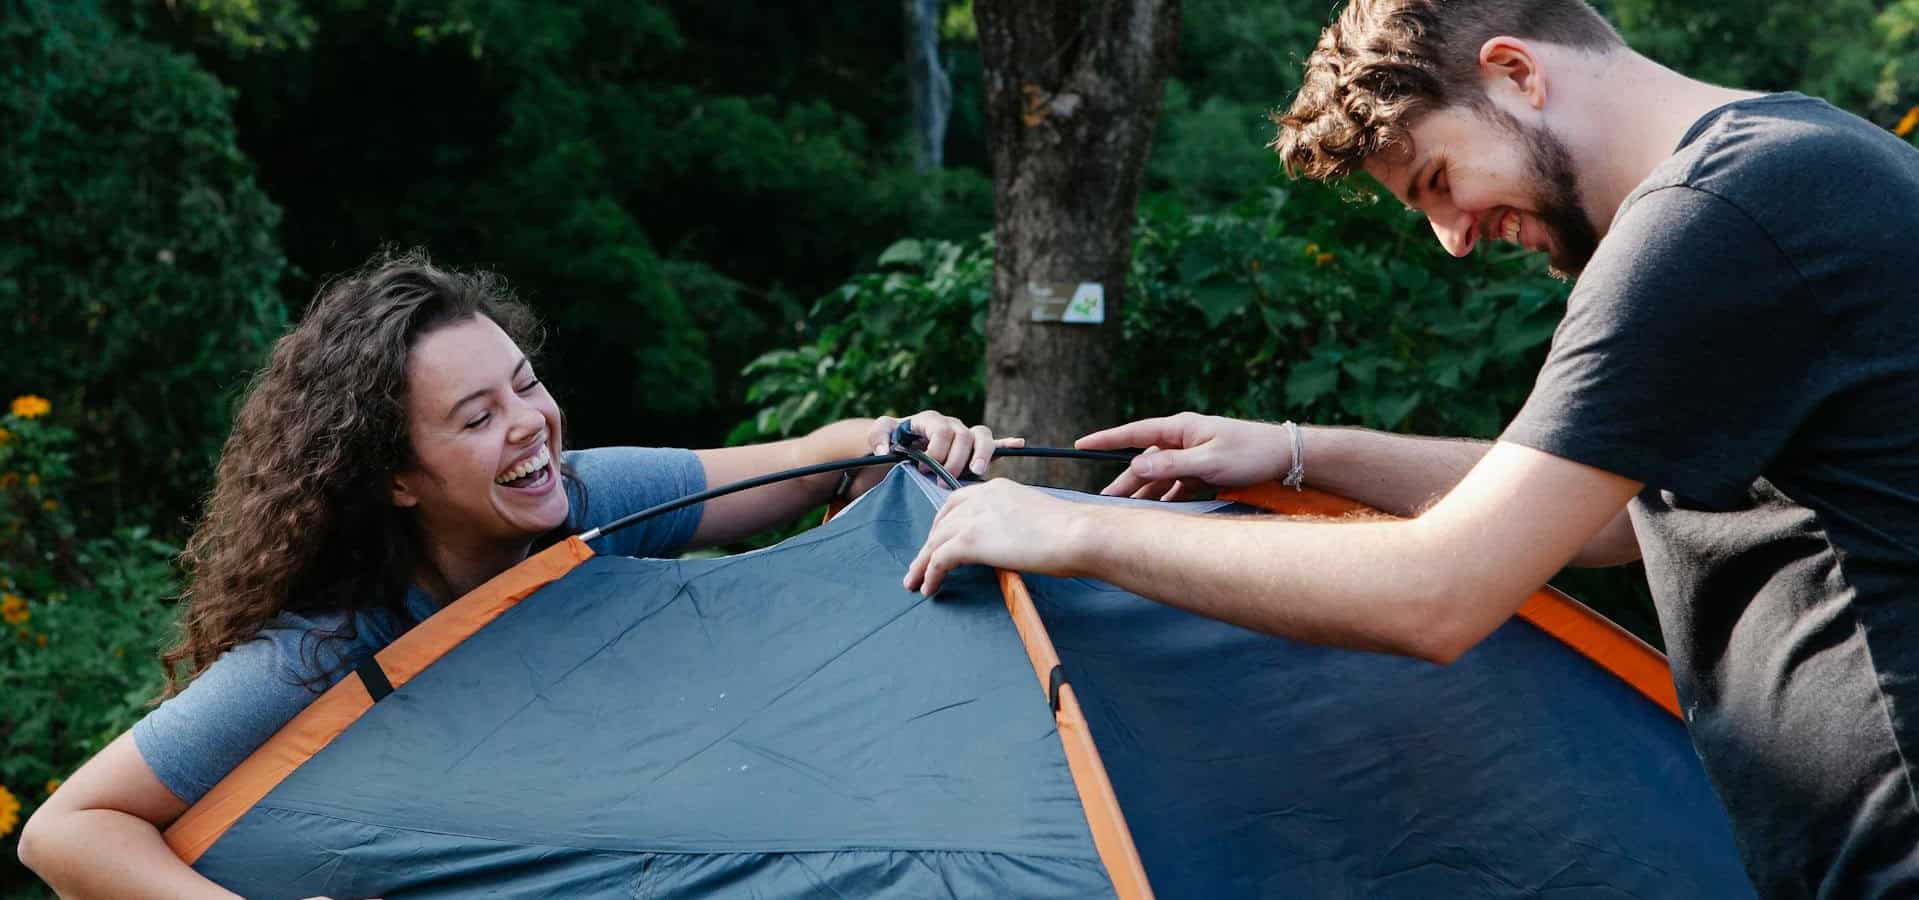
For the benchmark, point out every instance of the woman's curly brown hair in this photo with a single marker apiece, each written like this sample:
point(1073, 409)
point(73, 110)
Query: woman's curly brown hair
point(301, 517)
point(1384, 63)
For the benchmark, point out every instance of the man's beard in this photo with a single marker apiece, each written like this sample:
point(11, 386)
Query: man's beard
point(1556, 199)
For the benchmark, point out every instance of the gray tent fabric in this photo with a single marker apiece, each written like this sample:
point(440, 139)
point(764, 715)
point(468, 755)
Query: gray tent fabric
point(1273, 768)
point(792, 723)
point(784, 723)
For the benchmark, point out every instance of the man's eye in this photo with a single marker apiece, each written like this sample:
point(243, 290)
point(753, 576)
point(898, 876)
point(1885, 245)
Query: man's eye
point(528, 386)
point(482, 420)
point(1433, 182)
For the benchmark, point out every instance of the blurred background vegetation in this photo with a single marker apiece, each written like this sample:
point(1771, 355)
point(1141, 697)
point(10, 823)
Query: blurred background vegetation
point(718, 208)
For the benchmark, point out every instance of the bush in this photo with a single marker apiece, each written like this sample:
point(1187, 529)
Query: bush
point(82, 616)
point(1299, 303)
point(140, 274)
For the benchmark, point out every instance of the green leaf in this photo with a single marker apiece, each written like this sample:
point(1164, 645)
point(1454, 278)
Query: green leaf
point(1219, 299)
point(1390, 409)
point(908, 252)
point(1307, 382)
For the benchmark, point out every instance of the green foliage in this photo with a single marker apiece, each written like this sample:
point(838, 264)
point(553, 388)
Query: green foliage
point(138, 278)
point(1296, 303)
point(1307, 304)
point(231, 26)
point(1862, 55)
point(659, 178)
point(894, 341)
point(80, 620)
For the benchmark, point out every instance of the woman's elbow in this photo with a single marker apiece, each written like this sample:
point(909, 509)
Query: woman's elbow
point(34, 840)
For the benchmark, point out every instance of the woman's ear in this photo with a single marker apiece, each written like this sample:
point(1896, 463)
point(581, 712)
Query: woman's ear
point(1509, 67)
point(402, 492)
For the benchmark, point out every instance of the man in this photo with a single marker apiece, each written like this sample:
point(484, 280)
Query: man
point(1731, 394)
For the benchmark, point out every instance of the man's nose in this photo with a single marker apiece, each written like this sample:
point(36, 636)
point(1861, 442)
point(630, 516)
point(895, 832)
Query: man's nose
point(1454, 228)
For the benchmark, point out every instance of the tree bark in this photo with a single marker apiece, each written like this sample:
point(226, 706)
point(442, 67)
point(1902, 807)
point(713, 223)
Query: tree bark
point(1072, 94)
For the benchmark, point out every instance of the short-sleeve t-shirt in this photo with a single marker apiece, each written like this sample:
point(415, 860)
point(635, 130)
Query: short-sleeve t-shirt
point(1745, 342)
point(199, 735)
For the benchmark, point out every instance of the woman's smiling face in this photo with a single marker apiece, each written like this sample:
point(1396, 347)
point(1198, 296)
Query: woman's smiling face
point(486, 441)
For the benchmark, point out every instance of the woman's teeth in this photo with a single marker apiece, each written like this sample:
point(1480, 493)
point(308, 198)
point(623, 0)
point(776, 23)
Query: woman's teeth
point(1511, 231)
point(533, 464)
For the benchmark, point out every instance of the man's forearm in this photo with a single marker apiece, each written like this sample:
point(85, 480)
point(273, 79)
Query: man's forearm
point(1394, 473)
point(1380, 585)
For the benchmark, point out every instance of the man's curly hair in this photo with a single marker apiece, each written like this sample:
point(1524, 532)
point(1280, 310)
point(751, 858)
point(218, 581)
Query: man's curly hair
point(1384, 63)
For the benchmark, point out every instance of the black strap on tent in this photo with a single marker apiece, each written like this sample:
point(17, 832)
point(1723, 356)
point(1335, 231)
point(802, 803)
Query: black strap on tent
point(907, 447)
point(1054, 681)
point(1068, 453)
point(374, 677)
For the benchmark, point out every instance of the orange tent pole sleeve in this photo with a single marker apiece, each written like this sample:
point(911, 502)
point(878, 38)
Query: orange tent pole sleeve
point(343, 704)
point(1111, 838)
point(1614, 648)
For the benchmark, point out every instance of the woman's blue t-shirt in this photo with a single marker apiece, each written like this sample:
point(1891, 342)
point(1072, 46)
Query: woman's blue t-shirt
point(198, 736)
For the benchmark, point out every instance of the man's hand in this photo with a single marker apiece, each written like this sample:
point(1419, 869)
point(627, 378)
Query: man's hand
point(1190, 452)
point(1002, 524)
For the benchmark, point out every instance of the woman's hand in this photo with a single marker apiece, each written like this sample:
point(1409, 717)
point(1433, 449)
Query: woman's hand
point(948, 440)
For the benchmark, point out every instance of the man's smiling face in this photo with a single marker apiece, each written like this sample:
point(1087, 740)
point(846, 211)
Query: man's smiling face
point(1481, 174)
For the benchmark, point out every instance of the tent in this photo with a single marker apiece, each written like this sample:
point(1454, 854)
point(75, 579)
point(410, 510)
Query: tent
point(790, 722)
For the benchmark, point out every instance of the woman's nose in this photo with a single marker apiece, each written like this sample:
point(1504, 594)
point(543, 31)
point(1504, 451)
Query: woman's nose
point(526, 424)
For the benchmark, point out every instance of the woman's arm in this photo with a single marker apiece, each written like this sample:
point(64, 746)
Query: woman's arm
point(99, 834)
point(735, 516)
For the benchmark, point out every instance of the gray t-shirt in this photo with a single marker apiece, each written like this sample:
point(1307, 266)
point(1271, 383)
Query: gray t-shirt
point(1746, 342)
point(195, 738)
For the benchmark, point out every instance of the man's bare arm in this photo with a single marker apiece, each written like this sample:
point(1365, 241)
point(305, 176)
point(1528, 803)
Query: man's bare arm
point(1431, 586)
point(1398, 474)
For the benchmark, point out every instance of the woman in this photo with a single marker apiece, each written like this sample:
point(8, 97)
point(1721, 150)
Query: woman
point(397, 451)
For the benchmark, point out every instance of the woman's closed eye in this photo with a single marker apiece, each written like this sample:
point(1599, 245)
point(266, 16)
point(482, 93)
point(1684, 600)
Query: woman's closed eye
point(480, 420)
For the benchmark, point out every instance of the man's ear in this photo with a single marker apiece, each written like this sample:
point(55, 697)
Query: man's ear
point(402, 491)
point(1510, 68)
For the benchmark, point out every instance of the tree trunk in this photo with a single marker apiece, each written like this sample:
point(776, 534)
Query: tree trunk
point(928, 87)
point(1073, 92)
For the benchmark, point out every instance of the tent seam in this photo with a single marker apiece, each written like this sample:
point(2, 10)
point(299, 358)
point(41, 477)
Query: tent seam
point(991, 851)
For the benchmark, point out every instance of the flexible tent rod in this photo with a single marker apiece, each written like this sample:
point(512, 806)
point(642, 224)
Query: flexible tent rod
point(902, 452)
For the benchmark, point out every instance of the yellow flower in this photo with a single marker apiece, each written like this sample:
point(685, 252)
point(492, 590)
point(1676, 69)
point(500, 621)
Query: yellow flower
point(40, 640)
point(49, 505)
point(33, 479)
point(29, 406)
point(13, 609)
point(53, 784)
point(1907, 124)
point(1312, 250)
point(5, 436)
point(9, 811)
point(1324, 259)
